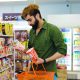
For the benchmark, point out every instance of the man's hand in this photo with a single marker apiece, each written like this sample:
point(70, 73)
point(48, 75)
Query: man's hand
point(39, 61)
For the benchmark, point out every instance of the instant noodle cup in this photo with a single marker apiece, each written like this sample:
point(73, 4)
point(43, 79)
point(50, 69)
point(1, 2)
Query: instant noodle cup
point(33, 54)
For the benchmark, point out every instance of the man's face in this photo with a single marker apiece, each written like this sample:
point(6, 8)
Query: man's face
point(32, 21)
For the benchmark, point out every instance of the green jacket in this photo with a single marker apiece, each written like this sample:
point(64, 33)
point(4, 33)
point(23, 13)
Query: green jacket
point(48, 41)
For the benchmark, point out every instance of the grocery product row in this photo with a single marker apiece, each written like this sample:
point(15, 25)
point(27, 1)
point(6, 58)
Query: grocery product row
point(6, 52)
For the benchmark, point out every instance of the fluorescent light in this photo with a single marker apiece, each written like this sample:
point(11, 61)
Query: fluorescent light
point(11, 0)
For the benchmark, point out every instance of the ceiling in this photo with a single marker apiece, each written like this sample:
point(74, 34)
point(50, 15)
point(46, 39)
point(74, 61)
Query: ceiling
point(40, 1)
point(56, 1)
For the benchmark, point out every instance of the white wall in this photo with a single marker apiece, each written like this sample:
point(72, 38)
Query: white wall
point(65, 20)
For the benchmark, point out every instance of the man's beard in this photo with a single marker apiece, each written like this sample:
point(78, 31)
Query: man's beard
point(35, 26)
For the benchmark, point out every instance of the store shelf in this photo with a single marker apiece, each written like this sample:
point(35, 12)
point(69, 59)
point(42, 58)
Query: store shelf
point(6, 68)
point(5, 55)
point(4, 36)
point(73, 75)
point(76, 33)
point(6, 52)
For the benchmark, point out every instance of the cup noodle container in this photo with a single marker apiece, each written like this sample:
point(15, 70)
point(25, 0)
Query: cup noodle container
point(33, 54)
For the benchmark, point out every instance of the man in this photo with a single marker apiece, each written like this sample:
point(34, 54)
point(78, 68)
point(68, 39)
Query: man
point(46, 38)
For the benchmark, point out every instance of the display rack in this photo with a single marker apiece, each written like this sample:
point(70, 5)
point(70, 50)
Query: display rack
point(6, 54)
point(21, 59)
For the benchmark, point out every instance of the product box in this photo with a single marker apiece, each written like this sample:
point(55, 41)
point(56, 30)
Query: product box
point(62, 72)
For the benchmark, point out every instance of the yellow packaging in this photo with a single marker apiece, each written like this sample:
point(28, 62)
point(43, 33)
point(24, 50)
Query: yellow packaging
point(25, 43)
point(9, 29)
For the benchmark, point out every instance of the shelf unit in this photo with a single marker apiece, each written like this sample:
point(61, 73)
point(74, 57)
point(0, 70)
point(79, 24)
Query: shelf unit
point(6, 57)
point(21, 60)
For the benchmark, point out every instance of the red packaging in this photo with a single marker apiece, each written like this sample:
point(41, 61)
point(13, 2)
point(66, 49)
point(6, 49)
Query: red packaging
point(32, 54)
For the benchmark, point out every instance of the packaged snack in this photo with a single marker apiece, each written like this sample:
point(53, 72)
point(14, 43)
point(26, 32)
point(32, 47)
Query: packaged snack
point(24, 65)
point(0, 76)
point(0, 29)
point(18, 46)
point(19, 66)
point(0, 64)
point(3, 29)
point(8, 29)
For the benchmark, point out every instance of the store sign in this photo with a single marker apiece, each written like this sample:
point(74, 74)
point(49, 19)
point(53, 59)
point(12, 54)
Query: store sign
point(12, 17)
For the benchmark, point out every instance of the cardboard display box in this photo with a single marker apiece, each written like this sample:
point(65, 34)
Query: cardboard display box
point(62, 72)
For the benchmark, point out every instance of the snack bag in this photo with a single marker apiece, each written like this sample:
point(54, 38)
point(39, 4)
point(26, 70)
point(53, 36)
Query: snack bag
point(18, 46)
point(32, 54)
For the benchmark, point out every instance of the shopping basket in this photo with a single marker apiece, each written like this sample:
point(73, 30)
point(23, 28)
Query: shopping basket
point(36, 75)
